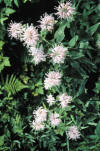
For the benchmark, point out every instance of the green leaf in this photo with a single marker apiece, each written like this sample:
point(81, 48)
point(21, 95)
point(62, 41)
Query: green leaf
point(97, 88)
point(1, 44)
point(94, 28)
point(73, 41)
point(1, 140)
point(40, 90)
point(97, 130)
point(9, 11)
point(6, 61)
point(39, 83)
point(81, 88)
point(3, 19)
point(59, 34)
point(16, 3)
point(13, 85)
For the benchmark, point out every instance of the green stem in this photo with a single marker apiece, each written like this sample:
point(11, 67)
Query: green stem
point(67, 144)
point(47, 41)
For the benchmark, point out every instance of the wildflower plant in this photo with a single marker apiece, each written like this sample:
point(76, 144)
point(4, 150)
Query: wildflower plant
point(59, 76)
point(30, 37)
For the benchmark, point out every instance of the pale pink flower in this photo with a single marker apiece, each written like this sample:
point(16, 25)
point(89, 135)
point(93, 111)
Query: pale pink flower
point(47, 22)
point(40, 114)
point(73, 133)
point(15, 30)
point(38, 55)
point(37, 125)
point(54, 119)
point(64, 100)
point(30, 36)
point(53, 79)
point(50, 99)
point(58, 54)
point(65, 10)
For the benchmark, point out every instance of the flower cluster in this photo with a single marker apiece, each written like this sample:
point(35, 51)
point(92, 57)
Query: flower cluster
point(54, 119)
point(58, 54)
point(73, 133)
point(15, 30)
point(38, 55)
point(52, 79)
point(47, 22)
point(50, 99)
point(28, 34)
point(65, 10)
point(40, 116)
point(37, 125)
point(65, 100)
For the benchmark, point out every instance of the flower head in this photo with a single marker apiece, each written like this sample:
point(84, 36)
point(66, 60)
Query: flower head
point(54, 119)
point(73, 133)
point(38, 55)
point(15, 30)
point(37, 125)
point(30, 36)
point(40, 115)
point(65, 100)
point(53, 79)
point(50, 99)
point(65, 10)
point(47, 22)
point(58, 54)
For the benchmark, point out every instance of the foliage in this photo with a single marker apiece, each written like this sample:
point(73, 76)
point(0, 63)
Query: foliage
point(22, 90)
point(13, 85)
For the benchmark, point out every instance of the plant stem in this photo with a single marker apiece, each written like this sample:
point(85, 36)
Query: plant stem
point(67, 144)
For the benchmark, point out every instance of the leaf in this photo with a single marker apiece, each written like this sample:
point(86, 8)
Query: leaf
point(16, 3)
point(17, 124)
point(6, 61)
point(39, 83)
point(9, 11)
point(97, 88)
point(1, 44)
point(13, 85)
point(97, 130)
point(59, 34)
point(94, 28)
point(1, 140)
point(75, 55)
point(3, 19)
point(73, 41)
point(40, 90)
point(81, 88)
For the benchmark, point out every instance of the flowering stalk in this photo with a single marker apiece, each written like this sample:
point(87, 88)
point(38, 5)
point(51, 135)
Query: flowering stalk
point(31, 38)
point(67, 144)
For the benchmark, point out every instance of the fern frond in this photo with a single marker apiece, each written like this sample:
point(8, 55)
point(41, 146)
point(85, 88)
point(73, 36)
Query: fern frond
point(13, 85)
